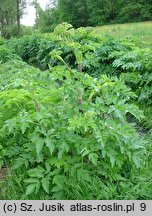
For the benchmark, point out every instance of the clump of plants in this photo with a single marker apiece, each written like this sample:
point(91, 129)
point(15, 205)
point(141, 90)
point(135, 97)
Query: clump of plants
point(6, 54)
point(67, 135)
point(73, 129)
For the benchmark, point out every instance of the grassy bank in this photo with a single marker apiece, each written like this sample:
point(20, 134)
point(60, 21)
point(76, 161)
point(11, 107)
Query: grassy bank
point(142, 32)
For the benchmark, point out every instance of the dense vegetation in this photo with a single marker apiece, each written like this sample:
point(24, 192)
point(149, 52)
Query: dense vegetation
point(93, 13)
point(11, 12)
point(90, 12)
point(140, 33)
point(79, 127)
point(83, 13)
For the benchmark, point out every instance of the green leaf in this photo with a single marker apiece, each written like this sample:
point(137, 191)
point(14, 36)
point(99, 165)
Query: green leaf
point(112, 154)
point(46, 184)
point(37, 187)
point(39, 142)
point(30, 189)
point(59, 181)
point(55, 54)
point(50, 145)
point(36, 172)
point(85, 152)
point(39, 146)
point(78, 55)
point(64, 147)
point(83, 175)
point(19, 162)
point(24, 126)
point(31, 180)
point(93, 157)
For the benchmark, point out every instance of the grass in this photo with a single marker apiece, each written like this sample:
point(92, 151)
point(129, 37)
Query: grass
point(10, 184)
point(3, 177)
point(141, 32)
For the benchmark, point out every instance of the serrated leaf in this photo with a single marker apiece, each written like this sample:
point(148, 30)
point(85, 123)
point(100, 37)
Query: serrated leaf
point(63, 148)
point(39, 146)
point(93, 157)
point(23, 127)
point(38, 141)
point(48, 166)
point(85, 152)
point(78, 55)
point(19, 162)
point(59, 180)
point(46, 184)
point(112, 154)
point(50, 145)
point(30, 189)
point(36, 172)
point(83, 175)
point(37, 187)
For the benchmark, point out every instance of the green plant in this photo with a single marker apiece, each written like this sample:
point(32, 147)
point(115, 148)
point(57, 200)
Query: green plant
point(6, 54)
point(67, 135)
point(64, 141)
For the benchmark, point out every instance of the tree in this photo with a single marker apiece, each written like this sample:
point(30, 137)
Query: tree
point(11, 12)
point(74, 12)
point(46, 20)
point(18, 16)
point(92, 13)
point(7, 19)
point(20, 6)
point(37, 8)
point(103, 11)
point(139, 10)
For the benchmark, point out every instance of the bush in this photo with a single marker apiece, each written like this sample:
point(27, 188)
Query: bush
point(6, 54)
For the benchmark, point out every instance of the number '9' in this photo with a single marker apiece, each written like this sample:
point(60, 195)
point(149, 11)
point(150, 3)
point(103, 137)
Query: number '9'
point(142, 206)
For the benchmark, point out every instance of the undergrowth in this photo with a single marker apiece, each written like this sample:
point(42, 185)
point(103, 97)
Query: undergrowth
point(72, 131)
